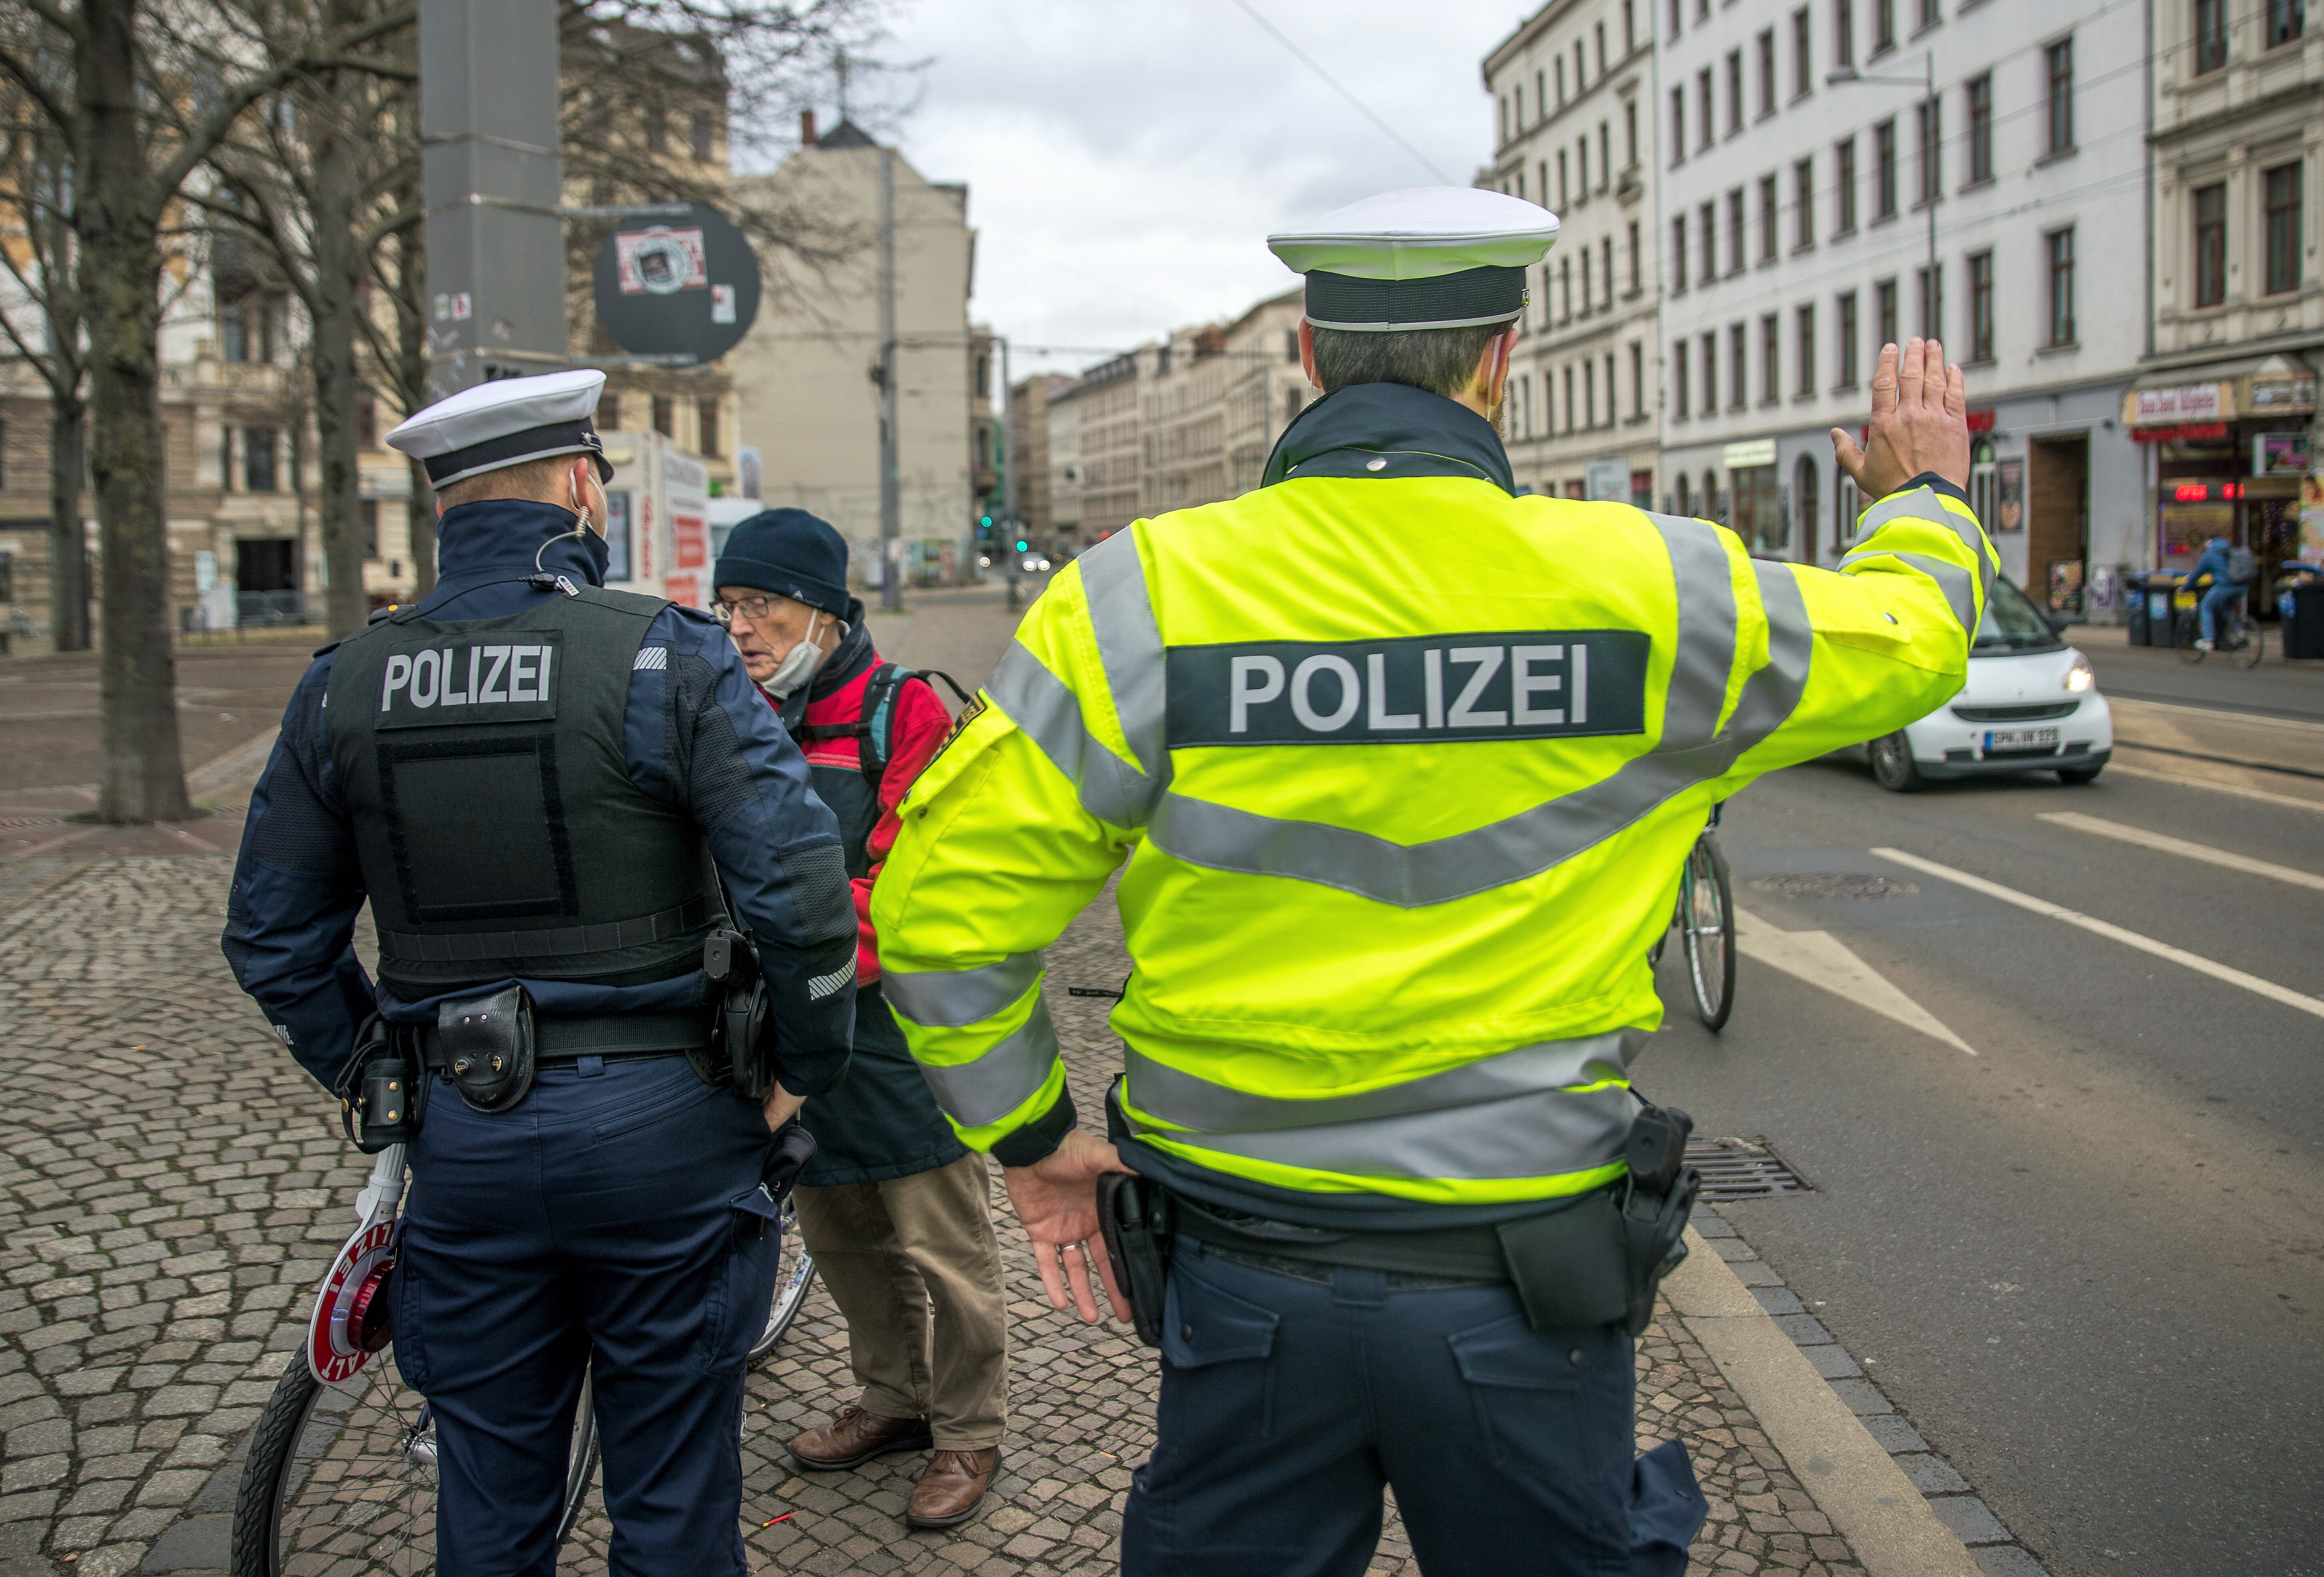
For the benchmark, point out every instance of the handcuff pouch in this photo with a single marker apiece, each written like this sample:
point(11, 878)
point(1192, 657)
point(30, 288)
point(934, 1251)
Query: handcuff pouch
point(486, 1043)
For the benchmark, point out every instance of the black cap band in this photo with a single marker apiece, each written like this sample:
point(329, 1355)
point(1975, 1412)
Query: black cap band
point(1466, 300)
point(534, 443)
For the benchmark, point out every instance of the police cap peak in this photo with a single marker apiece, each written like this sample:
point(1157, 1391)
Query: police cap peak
point(1426, 257)
point(505, 422)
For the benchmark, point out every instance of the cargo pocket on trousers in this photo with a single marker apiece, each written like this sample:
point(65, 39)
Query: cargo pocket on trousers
point(1218, 1352)
point(1518, 1380)
point(743, 1289)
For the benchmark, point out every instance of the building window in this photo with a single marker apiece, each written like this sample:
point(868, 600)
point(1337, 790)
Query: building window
point(1562, 192)
point(1674, 19)
point(1803, 350)
point(1734, 91)
point(1629, 27)
point(1931, 176)
point(1590, 393)
point(1606, 267)
point(706, 418)
point(1565, 290)
point(1843, 32)
point(1848, 337)
point(1678, 125)
point(1605, 156)
point(1291, 346)
point(1767, 72)
point(2059, 59)
point(1678, 369)
point(1884, 27)
point(1843, 186)
point(665, 415)
point(1804, 204)
point(2286, 21)
point(1710, 374)
point(2210, 35)
point(1928, 13)
point(1678, 255)
point(1767, 225)
point(2210, 245)
point(258, 459)
point(1980, 128)
point(366, 418)
point(1709, 215)
point(1980, 307)
point(1771, 358)
point(1600, 39)
point(609, 411)
point(1634, 257)
point(1802, 55)
point(2283, 227)
point(1736, 237)
point(226, 459)
point(1629, 134)
point(1884, 312)
point(1933, 301)
point(1568, 398)
point(1884, 169)
point(1638, 379)
point(1738, 391)
point(1587, 295)
point(1702, 109)
point(369, 510)
point(2060, 244)
point(703, 128)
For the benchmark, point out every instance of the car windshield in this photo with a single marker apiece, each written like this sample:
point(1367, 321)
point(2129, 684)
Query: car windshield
point(2011, 623)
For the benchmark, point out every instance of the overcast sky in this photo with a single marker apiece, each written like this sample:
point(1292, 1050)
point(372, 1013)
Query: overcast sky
point(1125, 159)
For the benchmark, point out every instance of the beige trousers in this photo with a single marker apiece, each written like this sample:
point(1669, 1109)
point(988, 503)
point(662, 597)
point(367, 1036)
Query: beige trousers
point(914, 1266)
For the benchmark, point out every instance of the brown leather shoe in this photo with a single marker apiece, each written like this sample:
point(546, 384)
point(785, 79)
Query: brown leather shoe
point(951, 1488)
point(857, 1437)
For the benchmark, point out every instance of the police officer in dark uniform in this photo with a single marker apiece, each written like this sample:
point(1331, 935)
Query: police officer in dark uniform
point(538, 784)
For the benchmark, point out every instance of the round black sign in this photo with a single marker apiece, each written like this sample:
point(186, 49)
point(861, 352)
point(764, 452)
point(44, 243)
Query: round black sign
point(677, 285)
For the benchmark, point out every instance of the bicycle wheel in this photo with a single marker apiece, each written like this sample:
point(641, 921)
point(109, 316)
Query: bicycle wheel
point(2252, 643)
point(796, 1275)
point(1707, 924)
point(2190, 631)
point(343, 1477)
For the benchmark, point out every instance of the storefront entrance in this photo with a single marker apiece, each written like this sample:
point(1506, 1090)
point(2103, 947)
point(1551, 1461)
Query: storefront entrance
point(2058, 522)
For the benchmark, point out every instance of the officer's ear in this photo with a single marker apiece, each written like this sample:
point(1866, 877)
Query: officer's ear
point(1493, 365)
point(1307, 354)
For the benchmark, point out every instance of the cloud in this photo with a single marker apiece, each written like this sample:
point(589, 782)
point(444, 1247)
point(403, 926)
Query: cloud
point(1125, 161)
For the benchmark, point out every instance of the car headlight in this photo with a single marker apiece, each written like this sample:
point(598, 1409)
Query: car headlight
point(2080, 677)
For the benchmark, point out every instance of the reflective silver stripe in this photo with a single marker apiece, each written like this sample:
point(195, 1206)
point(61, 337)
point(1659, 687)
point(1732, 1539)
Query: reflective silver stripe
point(1129, 644)
point(1183, 1101)
point(1925, 504)
point(1051, 716)
point(1772, 694)
point(1951, 578)
point(1009, 1074)
point(1535, 1133)
point(1223, 837)
point(953, 999)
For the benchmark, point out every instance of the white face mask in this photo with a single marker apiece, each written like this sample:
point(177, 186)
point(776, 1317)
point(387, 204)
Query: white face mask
point(799, 666)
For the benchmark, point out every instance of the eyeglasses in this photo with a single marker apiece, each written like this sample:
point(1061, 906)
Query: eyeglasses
point(753, 610)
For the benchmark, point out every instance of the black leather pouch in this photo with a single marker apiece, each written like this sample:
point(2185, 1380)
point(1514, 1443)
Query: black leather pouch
point(1570, 1265)
point(1135, 1216)
point(488, 1048)
point(382, 1091)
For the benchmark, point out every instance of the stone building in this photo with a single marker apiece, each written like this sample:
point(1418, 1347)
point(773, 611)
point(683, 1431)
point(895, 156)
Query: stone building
point(1034, 460)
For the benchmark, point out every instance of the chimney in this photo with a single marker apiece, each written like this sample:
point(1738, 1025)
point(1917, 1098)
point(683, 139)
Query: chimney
point(807, 128)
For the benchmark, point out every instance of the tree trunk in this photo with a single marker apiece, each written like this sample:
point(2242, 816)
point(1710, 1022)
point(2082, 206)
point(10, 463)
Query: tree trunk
point(411, 375)
point(68, 540)
point(121, 295)
point(420, 515)
point(339, 267)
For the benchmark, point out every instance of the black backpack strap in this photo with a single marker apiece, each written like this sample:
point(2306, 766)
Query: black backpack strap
point(876, 742)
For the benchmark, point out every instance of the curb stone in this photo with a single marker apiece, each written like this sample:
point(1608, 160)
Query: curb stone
point(1736, 1304)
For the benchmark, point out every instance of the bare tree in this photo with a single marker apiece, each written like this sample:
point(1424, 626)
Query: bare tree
point(36, 182)
point(138, 115)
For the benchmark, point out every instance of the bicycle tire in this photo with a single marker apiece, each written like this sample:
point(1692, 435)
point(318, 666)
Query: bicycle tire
point(1710, 949)
point(2253, 647)
point(2189, 629)
point(793, 1281)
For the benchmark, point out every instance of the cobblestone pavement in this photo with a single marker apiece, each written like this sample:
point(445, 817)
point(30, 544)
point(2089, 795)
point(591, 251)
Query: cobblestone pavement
point(171, 1188)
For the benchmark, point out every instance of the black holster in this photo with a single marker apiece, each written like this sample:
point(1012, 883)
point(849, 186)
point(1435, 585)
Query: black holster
point(1135, 1216)
point(742, 1051)
point(486, 1047)
point(382, 1091)
point(1602, 1259)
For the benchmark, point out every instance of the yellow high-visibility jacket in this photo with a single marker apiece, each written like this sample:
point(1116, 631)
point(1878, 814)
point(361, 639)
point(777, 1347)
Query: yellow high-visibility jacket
point(1405, 768)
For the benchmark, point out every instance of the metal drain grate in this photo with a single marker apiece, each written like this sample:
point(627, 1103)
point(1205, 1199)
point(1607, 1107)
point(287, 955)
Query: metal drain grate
point(1743, 1169)
point(1836, 884)
point(15, 822)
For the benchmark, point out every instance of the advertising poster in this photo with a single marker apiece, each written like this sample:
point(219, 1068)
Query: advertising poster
point(2065, 585)
point(2013, 494)
point(2311, 517)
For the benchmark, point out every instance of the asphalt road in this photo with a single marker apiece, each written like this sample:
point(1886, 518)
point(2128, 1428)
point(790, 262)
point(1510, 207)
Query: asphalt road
point(2089, 1261)
point(2147, 673)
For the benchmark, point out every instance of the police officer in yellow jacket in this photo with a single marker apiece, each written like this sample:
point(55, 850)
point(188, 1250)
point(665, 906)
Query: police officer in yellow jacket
point(1403, 768)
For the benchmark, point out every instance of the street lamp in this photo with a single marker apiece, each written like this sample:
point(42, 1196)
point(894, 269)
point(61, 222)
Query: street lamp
point(1849, 76)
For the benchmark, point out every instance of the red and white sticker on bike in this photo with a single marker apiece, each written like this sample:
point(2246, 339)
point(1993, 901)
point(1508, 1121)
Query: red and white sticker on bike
point(350, 1318)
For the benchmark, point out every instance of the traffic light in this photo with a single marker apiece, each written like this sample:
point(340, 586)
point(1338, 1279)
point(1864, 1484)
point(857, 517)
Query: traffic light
point(1023, 546)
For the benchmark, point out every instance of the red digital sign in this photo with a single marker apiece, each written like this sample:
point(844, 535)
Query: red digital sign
point(2205, 492)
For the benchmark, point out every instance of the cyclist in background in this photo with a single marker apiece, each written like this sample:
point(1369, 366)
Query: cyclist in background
point(2231, 570)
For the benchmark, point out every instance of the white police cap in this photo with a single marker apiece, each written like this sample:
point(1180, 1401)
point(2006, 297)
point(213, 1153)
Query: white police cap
point(1427, 257)
point(506, 422)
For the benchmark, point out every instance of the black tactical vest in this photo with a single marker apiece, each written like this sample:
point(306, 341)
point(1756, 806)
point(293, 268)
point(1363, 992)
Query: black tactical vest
point(482, 762)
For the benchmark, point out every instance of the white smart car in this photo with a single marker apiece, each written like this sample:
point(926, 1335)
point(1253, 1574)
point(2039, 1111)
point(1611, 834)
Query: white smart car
point(2031, 703)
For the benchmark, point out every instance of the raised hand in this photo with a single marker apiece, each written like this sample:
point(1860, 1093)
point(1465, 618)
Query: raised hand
point(1056, 1199)
point(1920, 423)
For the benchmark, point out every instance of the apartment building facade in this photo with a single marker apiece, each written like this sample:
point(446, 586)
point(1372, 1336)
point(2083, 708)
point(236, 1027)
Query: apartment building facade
point(2226, 397)
point(1841, 173)
point(1573, 98)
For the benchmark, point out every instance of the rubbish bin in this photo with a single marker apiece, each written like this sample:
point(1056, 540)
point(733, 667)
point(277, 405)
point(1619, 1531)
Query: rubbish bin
point(2149, 607)
point(2302, 607)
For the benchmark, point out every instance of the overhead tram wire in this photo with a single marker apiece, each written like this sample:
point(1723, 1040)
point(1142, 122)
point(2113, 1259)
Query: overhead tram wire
point(1308, 60)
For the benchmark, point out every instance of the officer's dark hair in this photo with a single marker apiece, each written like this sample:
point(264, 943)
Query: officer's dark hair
point(1443, 360)
point(535, 479)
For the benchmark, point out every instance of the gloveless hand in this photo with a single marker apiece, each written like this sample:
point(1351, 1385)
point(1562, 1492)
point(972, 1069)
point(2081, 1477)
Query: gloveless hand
point(1920, 423)
point(1056, 1199)
point(780, 1106)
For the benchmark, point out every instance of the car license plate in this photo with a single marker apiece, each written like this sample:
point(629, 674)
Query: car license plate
point(2020, 738)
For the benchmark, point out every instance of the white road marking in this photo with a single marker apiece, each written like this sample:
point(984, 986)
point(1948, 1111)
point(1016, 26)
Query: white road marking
point(2181, 846)
point(2117, 768)
point(2041, 906)
point(1820, 959)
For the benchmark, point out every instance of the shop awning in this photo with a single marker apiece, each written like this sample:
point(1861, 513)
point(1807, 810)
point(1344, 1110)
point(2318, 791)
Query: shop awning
point(2162, 405)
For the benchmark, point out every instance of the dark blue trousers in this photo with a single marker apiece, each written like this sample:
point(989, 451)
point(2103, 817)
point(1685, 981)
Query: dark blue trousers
point(1288, 1406)
point(616, 1211)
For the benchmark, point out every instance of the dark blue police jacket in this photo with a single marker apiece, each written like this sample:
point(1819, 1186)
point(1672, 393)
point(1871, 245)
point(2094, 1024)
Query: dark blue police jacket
point(297, 886)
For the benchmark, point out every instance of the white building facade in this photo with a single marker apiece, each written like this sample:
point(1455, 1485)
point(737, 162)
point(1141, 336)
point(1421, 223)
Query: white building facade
point(1574, 99)
point(1799, 220)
